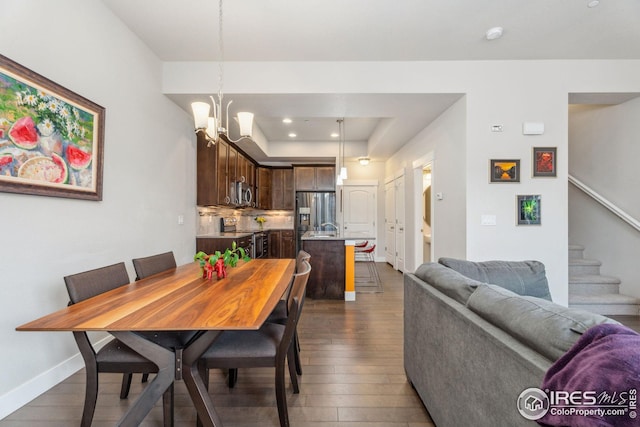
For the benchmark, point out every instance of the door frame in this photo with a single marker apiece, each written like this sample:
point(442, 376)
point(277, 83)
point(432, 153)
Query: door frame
point(418, 165)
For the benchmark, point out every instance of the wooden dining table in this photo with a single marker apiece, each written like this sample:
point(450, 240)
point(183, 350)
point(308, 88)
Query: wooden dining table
point(178, 300)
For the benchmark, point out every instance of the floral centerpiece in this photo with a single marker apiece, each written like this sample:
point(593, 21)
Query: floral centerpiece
point(219, 261)
point(260, 220)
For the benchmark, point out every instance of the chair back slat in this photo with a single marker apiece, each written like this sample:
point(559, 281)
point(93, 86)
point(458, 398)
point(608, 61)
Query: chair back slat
point(295, 303)
point(148, 266)
point(302, 256)
point(82, 286)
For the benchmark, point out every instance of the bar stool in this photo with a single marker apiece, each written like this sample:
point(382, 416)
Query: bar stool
point(365, 254)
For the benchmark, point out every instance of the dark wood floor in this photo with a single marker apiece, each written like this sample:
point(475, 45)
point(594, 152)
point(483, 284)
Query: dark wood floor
point(353, 376)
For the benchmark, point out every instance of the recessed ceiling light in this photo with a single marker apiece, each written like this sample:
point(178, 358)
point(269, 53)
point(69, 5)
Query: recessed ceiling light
point(593, 3)
point(335, 135)
point(494, 33)
point(286, 120)
point(292, 135)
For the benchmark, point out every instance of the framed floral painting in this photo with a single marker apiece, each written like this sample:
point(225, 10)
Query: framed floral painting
point(51, 139)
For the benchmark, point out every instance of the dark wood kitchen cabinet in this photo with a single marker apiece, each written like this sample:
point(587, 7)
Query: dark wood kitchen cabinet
point(263, 197)
point(315, 178)
point(282, 194)
point(217, 167)
point(281, 244)
point(210, 245)
point(212, 169)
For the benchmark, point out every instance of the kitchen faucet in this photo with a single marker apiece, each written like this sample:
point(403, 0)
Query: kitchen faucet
point(329, 223)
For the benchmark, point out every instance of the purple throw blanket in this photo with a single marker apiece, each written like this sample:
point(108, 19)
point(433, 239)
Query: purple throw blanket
point(603, 369)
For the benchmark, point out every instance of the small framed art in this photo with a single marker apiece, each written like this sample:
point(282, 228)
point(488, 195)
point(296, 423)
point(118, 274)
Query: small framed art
point(505, 170)
point(529, 212)
point(544, 161)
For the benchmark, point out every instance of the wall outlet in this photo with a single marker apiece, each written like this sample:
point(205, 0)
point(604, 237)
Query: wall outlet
point(180, 219)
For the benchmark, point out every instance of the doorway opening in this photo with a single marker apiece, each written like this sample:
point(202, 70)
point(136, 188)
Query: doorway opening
point(426, 213)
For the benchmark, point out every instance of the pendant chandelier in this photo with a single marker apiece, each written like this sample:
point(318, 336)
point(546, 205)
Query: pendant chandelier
point(342, 175)
point(213, 127)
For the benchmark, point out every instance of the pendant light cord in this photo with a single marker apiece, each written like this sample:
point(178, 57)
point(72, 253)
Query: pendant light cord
point(221, 48)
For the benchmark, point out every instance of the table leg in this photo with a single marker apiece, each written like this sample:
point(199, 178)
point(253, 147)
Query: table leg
point(192, 379)
point(164, 359)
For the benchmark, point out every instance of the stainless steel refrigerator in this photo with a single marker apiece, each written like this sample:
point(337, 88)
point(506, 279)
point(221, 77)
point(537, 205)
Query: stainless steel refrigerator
point(314, 212)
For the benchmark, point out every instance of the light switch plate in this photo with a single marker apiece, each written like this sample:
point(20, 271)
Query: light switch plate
point(487, 220)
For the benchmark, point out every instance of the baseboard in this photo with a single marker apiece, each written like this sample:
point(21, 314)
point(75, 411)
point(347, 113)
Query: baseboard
point(25, 393)
point(349, 296)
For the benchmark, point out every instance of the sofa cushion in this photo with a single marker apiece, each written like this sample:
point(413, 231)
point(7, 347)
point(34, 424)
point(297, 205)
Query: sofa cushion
point(546, 327)
point(448, 281)
point(521, 277)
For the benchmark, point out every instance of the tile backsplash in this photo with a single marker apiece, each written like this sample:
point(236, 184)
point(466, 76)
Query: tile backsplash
point(209, 219)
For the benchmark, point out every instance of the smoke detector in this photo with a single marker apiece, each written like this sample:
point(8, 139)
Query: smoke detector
point(494, 33)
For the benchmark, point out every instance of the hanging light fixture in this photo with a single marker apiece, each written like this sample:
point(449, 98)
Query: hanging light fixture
point(343, 169)
point(342, 174)
point(213, 127)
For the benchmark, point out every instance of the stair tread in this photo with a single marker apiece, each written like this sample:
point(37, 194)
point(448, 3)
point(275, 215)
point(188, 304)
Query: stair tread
point(603, 299)
point(594, 278)
point(584, 261)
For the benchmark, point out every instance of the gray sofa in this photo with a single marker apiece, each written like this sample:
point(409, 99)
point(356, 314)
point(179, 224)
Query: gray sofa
point(477, 334)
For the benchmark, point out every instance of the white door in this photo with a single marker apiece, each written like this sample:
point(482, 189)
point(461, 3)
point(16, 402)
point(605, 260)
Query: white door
point(400, 223)
point(360, 210)
point(389, 223)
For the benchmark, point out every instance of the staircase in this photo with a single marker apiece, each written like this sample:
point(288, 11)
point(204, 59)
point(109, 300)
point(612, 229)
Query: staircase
point(593, 292)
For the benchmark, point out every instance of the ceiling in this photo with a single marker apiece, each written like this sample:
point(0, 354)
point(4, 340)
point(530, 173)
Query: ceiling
point(376, 30)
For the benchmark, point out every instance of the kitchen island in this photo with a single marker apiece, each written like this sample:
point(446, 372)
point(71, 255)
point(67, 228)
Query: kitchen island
point(333, 264)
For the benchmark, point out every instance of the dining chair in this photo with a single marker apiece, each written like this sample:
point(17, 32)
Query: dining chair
point(281, 313)
point(150, 265)
point(145, 267)
point(270, 346)
point(113, 357)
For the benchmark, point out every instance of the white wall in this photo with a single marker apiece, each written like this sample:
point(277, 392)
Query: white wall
point(603, 153)
point(497, 92)
point(149, 179)
point(446, 138)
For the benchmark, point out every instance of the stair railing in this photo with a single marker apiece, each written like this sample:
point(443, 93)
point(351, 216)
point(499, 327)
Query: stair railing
point(604, 202)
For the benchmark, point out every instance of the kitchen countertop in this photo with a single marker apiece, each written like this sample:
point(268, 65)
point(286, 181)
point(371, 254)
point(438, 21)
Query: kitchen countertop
point(225, 235)
point(235, 235)
point(332, 235)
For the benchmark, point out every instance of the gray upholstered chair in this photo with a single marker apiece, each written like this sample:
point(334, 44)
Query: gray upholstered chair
point(281, 312)
point(145, 267)
point(148, 266)
point(270, 346)
point(114, 356)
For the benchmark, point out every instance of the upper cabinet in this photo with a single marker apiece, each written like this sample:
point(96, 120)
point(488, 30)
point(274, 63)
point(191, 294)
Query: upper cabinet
point(219, 167)
point(314, 178)
point(282, 193)
point(263, 198)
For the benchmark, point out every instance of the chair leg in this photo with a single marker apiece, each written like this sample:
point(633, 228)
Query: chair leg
point(281, 396)
point(292, 368)
point(233, 377)
point(167, 407)
point(126, 385)
point(90, 396)
point(296, 343)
